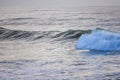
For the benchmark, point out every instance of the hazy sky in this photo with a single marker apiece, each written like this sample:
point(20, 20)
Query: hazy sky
point(57, 3)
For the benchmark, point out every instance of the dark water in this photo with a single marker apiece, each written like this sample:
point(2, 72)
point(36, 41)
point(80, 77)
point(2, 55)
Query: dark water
point(40, 44)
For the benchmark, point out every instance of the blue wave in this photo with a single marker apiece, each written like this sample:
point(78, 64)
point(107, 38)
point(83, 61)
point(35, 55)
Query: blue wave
point(100, 40)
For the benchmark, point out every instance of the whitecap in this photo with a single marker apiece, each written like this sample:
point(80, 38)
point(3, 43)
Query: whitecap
point(101, 40)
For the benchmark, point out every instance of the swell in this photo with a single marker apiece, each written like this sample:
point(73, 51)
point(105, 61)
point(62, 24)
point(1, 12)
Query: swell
point(14, 34)
point(72, 34)
point(7, 34)
point(16, 19)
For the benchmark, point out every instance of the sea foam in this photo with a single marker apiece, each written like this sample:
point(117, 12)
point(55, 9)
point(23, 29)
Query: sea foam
point(101, 40)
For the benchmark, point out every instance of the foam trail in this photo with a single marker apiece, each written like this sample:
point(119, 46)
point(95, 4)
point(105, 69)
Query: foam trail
point(101, 40)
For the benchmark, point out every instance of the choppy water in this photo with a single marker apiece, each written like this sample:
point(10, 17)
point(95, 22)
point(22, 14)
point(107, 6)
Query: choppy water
point(39, 44)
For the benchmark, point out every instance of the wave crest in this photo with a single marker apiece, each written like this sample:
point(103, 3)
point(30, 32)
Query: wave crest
point(7, 34)
point(99, 40)
point(72, 34)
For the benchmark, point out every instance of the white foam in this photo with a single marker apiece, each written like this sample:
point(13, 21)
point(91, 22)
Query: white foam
point(99, 40)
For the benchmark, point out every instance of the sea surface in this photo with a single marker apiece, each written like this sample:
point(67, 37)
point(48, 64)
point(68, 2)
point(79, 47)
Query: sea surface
point(39, 44)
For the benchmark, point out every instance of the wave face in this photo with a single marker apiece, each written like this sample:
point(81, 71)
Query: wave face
point(7, 34)
point(72, 34)
point(99, 40)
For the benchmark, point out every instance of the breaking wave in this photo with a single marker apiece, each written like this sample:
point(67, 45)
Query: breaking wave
point(101, 40)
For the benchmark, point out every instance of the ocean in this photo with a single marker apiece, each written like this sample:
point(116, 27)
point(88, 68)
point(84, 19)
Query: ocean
point(39, 44)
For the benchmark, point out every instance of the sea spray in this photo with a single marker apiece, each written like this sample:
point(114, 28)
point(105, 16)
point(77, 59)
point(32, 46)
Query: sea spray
point(99, 39)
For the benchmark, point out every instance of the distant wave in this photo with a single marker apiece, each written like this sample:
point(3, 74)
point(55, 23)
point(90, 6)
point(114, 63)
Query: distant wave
point(14, 19)
point(7, 34)
point(99, 40)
